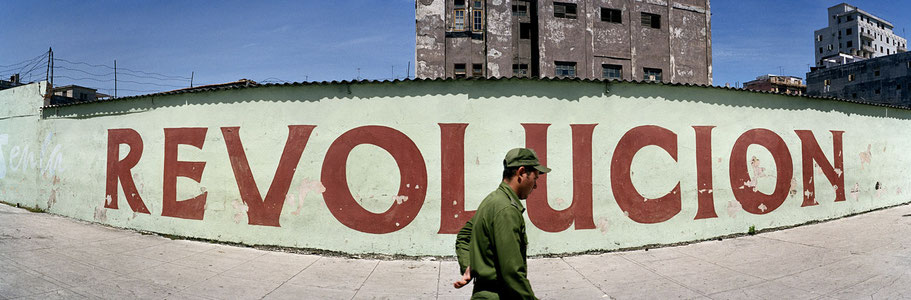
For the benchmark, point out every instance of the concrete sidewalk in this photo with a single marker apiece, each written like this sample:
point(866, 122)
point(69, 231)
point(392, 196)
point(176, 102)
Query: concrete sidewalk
point(43, 256)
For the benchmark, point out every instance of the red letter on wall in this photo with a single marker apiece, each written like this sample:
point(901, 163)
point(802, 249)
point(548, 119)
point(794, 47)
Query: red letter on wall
point(452, 174)
point(756, 202)
point(412, 184)
point(639, 208)
point(120, 169)
point(810, 152)
point(706, 208)
point(266, 212)
point(580, 211)
point(193, 208)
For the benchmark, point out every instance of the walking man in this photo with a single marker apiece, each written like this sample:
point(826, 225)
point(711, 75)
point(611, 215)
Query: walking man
point(491, 247)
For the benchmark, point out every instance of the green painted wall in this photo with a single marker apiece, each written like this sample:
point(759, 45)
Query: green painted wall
point(70, 149)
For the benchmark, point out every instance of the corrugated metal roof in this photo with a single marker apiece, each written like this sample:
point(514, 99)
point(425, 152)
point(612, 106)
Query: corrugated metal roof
point(235, 85)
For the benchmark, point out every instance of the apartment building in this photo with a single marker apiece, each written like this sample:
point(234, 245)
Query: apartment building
point(854, 34)
point(668, 41)
point(858, 57)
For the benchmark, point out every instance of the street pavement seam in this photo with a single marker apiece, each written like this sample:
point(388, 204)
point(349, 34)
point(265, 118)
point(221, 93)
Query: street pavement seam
point(365, 280)
point(439, 278)
point(583, 276)
point(292, 277)
point(643, 266)
point(216, 274)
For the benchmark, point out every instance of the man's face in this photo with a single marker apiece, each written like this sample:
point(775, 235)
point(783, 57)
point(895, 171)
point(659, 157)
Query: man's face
point(528, 181)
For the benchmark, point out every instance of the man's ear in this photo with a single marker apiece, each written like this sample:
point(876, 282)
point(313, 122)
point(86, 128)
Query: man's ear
point(521, 171)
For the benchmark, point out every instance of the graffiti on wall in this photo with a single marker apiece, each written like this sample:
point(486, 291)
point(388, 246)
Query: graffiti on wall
point(264, 209)
point(47, 160)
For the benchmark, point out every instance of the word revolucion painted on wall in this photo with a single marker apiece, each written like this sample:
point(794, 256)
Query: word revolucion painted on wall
point(267, 210)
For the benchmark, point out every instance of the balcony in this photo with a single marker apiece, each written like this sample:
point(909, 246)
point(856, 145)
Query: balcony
point(870, 49)
point(867, 36)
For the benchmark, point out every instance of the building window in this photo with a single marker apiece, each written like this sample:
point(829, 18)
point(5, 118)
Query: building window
point(520, 9)
point(819, 38)
point(477, 70)
point(524, 31)
point(459, 70)
point(850, 77)
point(477, 22)
point(898, 87)
point(820, 49)
point(611, 15)
point(875, 72)
point(651, 74)
point(831, 47)
point(876, 91)
point(651, 20)
point(849, 44)
point(520, 70)
point(849, 18)
point(458, 3)
point(565, 68)
point(854, 95)
point(848, 31)
point(565, 10)
point(458, 20)
point(611, 71)
point(827, 82)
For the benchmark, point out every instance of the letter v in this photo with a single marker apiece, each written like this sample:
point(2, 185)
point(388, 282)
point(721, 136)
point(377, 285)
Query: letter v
point(266, 212)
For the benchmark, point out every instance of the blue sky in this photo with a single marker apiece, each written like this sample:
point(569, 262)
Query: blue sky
point(277, 41)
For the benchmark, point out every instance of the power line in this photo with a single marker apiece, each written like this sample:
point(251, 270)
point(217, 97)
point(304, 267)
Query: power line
point(165, 77)
point(25, 61)
point(127, 81)
point(81, 71)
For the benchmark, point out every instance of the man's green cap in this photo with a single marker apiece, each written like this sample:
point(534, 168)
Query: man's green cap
point(519, 157)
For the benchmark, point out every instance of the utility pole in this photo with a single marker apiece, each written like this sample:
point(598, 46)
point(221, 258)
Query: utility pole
point(191, 78)
point(115, 78)
point(47, 76)
point(408, 71)
point(358, 73)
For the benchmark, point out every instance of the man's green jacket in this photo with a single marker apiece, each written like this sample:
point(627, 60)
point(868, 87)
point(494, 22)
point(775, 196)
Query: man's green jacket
point(494, 244)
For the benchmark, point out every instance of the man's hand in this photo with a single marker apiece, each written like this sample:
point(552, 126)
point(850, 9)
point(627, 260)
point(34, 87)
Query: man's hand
point(466, 278)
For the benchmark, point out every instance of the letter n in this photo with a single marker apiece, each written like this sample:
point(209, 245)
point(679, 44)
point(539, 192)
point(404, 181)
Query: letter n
point(811, 152)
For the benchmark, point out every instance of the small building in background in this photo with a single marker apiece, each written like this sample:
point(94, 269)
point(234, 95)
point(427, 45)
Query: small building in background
point(74, 93)
point(13, 82)
point(777, 83)
point(79, 93)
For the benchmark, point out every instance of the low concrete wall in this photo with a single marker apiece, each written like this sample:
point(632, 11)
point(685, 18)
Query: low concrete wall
point(398, 167)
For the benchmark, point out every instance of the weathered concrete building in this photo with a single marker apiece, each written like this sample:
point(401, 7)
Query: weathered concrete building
point(854, 34)
point(859, 57)
point(885, 80)
point(777, 83)
point(657, 40)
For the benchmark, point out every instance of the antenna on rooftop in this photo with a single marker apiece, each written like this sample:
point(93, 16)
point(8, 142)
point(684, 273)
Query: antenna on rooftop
point(191, 78)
